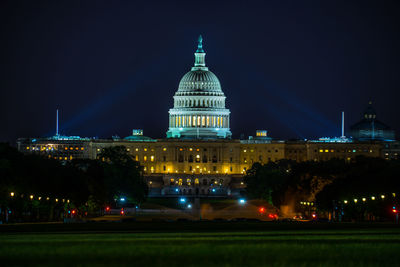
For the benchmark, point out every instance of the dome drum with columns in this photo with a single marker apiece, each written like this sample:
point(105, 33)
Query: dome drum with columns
point(199, 104)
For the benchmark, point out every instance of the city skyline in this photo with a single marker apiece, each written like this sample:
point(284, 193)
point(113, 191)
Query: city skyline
point(285, 75)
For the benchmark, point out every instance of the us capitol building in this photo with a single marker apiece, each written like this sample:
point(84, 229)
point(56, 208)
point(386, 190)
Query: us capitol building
point(198, 157)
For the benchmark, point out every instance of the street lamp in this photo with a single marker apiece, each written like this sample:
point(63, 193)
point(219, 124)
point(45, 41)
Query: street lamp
point(12, 194)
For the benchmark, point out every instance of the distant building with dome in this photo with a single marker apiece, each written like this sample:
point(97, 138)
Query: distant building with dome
point(370, 128)
point(199, 104)
point(199, 158)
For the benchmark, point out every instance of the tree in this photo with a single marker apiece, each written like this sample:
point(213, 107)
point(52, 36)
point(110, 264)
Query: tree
point(123, 175)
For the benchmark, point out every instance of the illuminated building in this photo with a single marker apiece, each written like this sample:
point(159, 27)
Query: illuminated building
point(198, 157)
point(369, 128)
point(199, 104)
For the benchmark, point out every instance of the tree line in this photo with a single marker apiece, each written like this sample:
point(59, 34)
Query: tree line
point(361, 189)
point(36, 188)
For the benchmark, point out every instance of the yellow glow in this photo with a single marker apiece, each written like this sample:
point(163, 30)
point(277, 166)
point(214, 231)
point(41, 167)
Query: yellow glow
point(31, 196)
point(27, 147)
point(82, 148)
point(326, 150)
point(190, 149)
point(196, 181)
point(39, 198)
point(152, 158)
point(56, 199)
point(321, 150)
point(145, 158)
point(67, 200)
point(151, 182)
point(190, 120)
point(394, 194)
point(355, 200)
point(198, 156)
point(180, 181)
point(172, 180)
point(66, 148)
point(136, 149)
point(145, 149)
point(152, 169)
point(373, 198)
point(364, 199)
point(208, 121)
point(245, 151)
point(198, 121)
point(218, 121)
point(12, 194)
point(194, 120)
point(164, 149)
point(345, 202)
point(47, 198)
point(382, 196)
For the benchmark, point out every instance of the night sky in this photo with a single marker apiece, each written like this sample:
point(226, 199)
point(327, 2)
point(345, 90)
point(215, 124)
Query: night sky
point(289, 67)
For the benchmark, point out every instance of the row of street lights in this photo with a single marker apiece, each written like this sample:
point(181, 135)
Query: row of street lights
point(31, 197)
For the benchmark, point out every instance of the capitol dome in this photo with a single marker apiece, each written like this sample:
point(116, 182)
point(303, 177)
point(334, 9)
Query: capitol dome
point(199, 104)
point(199, 80)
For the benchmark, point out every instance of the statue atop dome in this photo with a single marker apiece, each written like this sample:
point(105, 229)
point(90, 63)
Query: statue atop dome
point(200, 45)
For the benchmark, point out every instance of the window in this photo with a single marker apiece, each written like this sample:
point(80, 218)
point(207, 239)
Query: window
point(204, 159)
point(164, 158)
point(152, 158)
point(197, 158)
point(230, 159)
point(164, 168)
point(190, 158)
point(231, 168)
point(145, 158)
point(214, 168)
point(205, 182)
point(214, 159)
point(180, 158)
point(196, 181)
point(190, 168)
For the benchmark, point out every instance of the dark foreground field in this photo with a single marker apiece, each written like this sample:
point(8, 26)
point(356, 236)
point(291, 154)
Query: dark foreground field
point(191, 243)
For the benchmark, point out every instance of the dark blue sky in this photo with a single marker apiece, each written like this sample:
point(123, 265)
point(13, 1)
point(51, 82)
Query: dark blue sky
point(289, 67)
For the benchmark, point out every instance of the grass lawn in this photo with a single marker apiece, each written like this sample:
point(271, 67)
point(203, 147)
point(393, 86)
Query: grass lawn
point(262, 245)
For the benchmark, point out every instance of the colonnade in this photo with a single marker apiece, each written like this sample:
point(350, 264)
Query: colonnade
point(177, 121)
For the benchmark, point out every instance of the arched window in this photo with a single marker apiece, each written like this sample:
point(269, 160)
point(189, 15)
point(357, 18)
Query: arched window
point(205, 182)
point(205, 158)
point(190, 158)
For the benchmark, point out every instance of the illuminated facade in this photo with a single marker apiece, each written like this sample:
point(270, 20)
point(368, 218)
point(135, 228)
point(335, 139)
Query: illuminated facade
point(199, 104)
point(198, 157)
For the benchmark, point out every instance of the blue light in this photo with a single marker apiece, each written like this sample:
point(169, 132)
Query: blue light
point(189, 206)
point(242, 201)
point(122, 199)
point(176, 190)
point(182, 200)
point(213, 190)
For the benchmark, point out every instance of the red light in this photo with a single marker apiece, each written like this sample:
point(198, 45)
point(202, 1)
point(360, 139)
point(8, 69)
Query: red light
point(394, 211)
point(314, 215)
point(73, 211)
point(122, 212)
point(107, 208)
point(261, 210)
